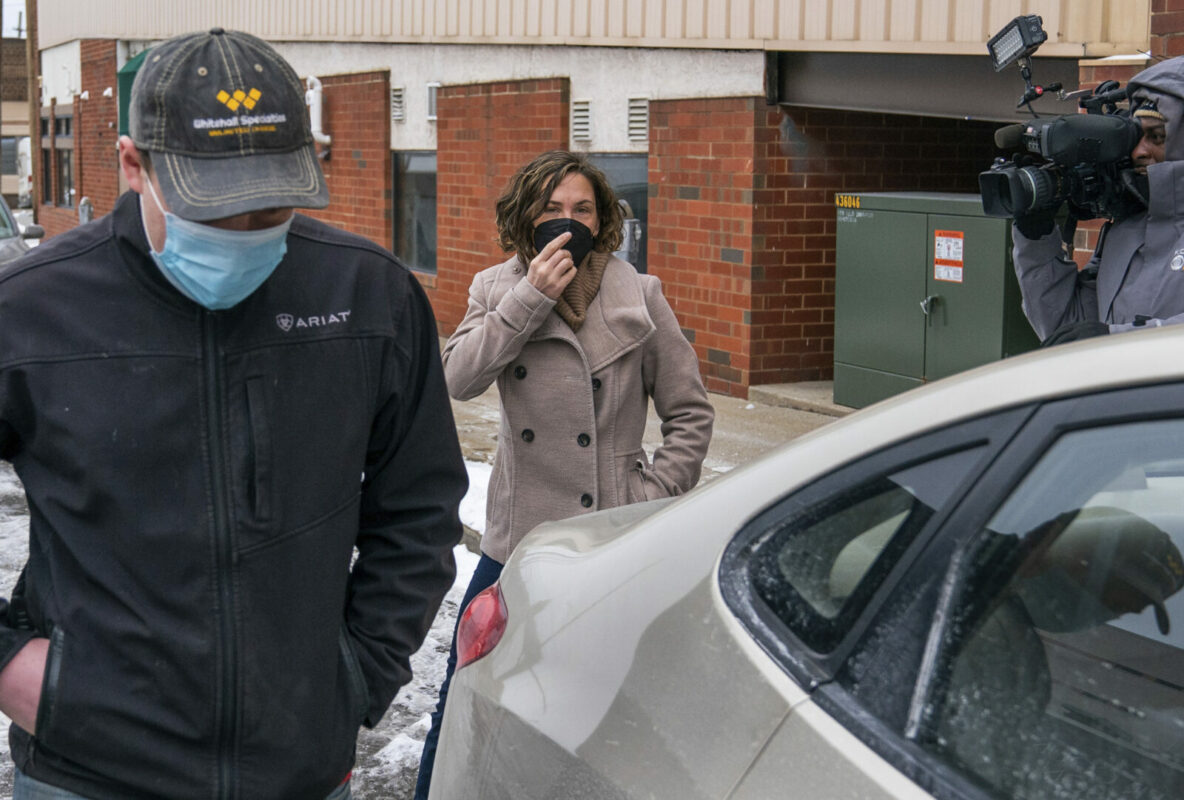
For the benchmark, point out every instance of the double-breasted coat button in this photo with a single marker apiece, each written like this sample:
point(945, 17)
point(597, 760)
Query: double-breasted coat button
point(519, 372)
point(586, 500)
point(528, 435)
point(583, 440)
point(595, 384)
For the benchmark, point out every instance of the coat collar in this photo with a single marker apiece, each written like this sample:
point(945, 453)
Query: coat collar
point(618, 319)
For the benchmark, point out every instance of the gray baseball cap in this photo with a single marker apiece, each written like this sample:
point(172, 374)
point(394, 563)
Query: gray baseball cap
point(223, 116)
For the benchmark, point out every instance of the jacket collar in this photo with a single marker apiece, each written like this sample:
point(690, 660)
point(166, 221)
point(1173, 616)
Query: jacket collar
point(618, 318)
point(128, 227)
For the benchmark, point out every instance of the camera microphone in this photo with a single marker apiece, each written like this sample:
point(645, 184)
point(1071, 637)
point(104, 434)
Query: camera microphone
point(1010, 137)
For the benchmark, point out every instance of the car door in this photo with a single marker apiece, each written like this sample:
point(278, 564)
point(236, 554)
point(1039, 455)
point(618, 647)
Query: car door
point(1056, 667)
point(808, 577)
point(1028, 650)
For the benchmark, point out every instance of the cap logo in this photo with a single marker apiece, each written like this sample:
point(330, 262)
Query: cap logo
point(239, 98)
point(242, 123)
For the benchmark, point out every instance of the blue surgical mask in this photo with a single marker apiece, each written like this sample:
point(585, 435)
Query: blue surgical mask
point(217, 268)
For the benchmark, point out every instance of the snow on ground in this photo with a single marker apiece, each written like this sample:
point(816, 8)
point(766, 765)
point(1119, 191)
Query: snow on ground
point(388, 756)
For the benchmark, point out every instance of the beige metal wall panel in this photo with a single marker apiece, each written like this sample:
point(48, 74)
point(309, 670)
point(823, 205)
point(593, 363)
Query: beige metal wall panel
point(1082, 28)
point(873, 20)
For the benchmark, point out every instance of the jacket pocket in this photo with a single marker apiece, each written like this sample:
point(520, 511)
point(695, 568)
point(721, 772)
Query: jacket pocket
point(260, 470)
point(358, 693)
point(47, 705)
point(635, 481)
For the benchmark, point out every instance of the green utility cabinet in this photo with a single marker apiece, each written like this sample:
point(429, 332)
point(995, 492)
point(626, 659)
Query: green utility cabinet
point(924, 288)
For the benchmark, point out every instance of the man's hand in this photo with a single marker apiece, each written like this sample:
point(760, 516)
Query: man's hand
point(552, 269)
point(20, 684)
point(1036, 225)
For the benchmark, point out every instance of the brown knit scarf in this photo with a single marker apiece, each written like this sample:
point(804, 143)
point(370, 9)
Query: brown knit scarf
point(573, 304)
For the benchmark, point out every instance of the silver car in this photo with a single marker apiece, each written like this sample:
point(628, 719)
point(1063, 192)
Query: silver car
point(13, 240)
point(967, 591)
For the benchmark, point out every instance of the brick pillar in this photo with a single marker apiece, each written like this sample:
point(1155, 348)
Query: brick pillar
point(356, 114)
point(701, 171)
point(96, 128)
point(742, 220)
point(485, 132)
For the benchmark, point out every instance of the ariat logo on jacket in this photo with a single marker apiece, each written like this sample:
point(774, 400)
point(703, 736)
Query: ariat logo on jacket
point(287, 322)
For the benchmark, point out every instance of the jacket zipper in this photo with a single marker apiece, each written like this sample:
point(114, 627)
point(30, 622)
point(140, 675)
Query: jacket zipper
point(224, 555)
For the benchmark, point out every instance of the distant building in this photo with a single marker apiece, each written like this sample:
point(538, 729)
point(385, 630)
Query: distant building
point(728, 125)
point(14, 114)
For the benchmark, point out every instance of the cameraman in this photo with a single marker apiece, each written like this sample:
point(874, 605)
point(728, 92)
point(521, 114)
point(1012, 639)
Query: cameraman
point(1134, 278)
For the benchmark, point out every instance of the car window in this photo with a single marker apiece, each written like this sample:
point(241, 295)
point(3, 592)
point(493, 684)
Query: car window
point(818, 567)
point(7, 227)
point(1061, 673)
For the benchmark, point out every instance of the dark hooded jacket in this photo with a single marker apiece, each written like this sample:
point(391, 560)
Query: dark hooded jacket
point(197, 484)
point(1140, 269)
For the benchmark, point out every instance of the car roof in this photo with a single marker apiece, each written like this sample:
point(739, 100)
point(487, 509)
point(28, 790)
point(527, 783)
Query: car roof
point(1098, 364)
point(1091, 365)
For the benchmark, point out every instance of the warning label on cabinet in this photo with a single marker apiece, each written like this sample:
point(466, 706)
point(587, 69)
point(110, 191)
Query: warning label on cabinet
point(947, 256)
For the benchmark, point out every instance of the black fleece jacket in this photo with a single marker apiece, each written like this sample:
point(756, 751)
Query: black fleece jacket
point(198, 482)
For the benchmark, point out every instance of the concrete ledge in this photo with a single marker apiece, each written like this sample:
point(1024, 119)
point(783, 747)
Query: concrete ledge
point(816, 396)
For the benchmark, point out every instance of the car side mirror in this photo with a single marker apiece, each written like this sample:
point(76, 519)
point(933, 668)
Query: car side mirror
point(33, 232)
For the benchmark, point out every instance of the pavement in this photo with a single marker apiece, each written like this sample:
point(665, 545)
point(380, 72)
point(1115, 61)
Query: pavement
point(744, 429)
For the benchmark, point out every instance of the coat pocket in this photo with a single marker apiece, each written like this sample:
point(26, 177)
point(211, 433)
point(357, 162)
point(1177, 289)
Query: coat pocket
point(48, 703)
point(260, 481)
point(359, 695)
point(636, 490)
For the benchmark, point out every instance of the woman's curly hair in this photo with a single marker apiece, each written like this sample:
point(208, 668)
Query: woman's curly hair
point(530, 189)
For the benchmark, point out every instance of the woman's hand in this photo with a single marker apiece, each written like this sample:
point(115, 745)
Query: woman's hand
point(552, 269)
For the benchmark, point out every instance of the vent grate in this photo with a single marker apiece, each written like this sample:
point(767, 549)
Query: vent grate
point(639, 119)
point(398, 107)
point(581, 120)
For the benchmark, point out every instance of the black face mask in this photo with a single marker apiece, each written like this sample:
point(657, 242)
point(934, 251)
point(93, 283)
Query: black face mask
point(579, 245)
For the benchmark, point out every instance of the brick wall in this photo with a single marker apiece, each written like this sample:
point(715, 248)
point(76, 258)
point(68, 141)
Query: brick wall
point(742, 220)
point(96, 128)
point(484, 133)
point(356, 114)
point(1167, 28)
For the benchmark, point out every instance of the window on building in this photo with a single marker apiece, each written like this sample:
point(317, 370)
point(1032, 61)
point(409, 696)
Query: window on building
point(57, 158)
point(46, 174)
point(65, 178)
point(433, 89)
point(629, 175)
point(415, 209)
point(8, 155)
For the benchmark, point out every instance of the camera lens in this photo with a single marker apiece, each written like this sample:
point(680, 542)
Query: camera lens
point(1039, 188)
point(1015, 191)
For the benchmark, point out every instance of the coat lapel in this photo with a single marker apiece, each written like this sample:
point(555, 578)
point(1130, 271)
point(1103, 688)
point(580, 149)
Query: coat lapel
point(618, 320)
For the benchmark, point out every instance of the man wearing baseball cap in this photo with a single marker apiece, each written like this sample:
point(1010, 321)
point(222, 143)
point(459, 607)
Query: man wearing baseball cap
point(1134, 278)
point(241, 466)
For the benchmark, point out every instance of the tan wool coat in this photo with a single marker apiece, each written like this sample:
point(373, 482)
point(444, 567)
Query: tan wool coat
point(574, 405)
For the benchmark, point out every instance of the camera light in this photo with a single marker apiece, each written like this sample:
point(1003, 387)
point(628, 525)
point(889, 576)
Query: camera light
point(1020, 38)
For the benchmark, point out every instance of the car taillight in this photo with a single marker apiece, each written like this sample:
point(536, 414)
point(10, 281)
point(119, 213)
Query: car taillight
point(481, 626)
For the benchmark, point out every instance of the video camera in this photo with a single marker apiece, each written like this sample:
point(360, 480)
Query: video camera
point(1082, 159)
